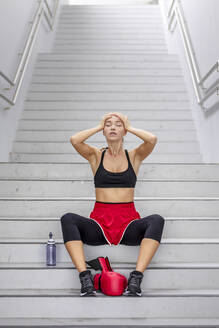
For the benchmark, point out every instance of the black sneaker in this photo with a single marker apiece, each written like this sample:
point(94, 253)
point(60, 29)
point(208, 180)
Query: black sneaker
point(134, 281)
point(87, 284)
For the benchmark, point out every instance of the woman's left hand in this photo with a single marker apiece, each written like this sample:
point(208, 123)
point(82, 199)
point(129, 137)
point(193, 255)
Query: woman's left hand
point(124, 118)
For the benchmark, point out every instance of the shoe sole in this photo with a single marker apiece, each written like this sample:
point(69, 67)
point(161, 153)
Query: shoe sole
point(128, 293)
point(88, 294)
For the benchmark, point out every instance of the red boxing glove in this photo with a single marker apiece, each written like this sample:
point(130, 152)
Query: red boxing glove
point(108, 282)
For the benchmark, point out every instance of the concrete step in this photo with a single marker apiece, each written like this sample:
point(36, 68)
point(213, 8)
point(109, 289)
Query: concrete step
point(63, 136)
point(143, 23)
point(115, 7)
point(110, 18)
point(100, 71)
point(69, 171)
point(113, 40)
point(108, 96)
point(42, 277)
point(175, 228)
point(118, 30)
point(115, 79)
point(111, 73)
point(83, 187)
point(66, 303)
point(70, 158)
point(100, 34)
point(97, 57)
point(120, 15)
point(154, 267)
point(110, 322)
point(112, 88)
point(89, 115)
point(121, 11)
point(113, 21)
point(63, 124)
point(160, 44)
point(107, 106)
point(110, 48)
point(174, 66)
point(67, 148)
point(84, 32)
point(124, 6)
point(57, 206)
point(171, 250)
point(113, 27)
point(111, 10)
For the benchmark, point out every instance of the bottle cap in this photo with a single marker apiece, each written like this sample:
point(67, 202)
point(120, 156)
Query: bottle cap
point(51, 240)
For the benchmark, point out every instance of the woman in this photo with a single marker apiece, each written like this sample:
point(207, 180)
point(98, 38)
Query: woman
point(114, 219)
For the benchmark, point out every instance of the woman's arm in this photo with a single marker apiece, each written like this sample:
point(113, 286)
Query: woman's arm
point(85, 150)
point(83, 135)
point(77, 140)
point(145, 148)
point(144, 135)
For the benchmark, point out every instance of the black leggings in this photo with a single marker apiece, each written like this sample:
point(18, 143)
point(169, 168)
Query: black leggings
point(77, 227)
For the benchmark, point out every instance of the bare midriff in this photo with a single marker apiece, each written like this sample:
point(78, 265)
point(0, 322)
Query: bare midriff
point(114, 195)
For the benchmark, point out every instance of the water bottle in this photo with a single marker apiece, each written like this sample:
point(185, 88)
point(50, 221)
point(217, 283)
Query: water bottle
point(51, 251)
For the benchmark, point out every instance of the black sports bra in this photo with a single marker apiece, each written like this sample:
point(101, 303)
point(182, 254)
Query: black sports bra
point(108, 179)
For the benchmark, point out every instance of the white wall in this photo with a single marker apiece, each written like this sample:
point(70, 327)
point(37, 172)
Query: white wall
point(203, 25)
point(15, 16)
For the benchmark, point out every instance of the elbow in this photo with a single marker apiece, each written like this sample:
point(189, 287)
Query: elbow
point(72, 140)
point(154, 140)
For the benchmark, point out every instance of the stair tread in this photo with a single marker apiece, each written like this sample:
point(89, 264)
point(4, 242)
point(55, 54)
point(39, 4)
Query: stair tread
point(115, 265)
point(110, 322)
point(22, 240)
point(76, 291)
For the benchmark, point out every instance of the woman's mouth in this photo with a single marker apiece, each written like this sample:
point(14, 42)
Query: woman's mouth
point(112, 134)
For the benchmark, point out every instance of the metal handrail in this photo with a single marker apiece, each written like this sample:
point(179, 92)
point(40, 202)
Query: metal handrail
point(202, 93)
point(42, 7)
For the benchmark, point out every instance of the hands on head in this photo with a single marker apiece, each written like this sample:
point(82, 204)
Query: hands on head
point(122, 117)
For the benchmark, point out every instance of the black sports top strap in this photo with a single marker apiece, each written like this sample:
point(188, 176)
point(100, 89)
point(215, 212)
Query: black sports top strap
point(127, 155)
point(126, 152)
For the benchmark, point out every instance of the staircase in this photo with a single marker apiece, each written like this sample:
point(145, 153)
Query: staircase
point(108, 58)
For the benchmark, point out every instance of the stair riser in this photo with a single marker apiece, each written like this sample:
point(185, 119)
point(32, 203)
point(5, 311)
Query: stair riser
point(74, 158)
point(159, 58)
point(93, 80)
point(173, 229)
point(57, 207)
point(71, 307)
point(100, 96)
point(79, 124)
point(89, 36)
point(171, 67)
point(66, 147)
point(85, 188)
point(116, 30)
point(63, 136)
point(174, 252)
point(157, 171)
point(69, 278)
point(110, 48)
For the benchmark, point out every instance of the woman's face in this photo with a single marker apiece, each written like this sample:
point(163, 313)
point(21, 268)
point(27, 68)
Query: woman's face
point(116, 125)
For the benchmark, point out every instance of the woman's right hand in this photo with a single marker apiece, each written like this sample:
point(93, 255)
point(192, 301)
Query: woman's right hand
point(102, 122)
